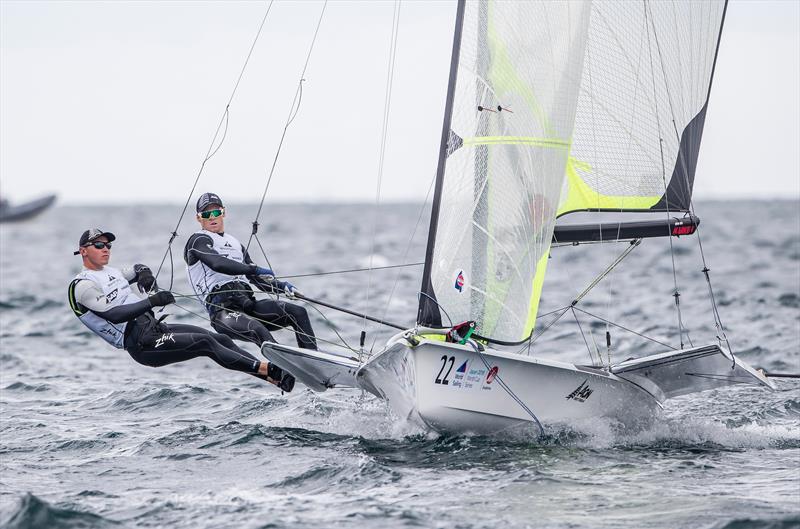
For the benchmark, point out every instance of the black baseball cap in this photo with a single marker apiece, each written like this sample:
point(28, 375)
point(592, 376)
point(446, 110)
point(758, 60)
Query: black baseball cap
point(92, 234)
point(206, 199)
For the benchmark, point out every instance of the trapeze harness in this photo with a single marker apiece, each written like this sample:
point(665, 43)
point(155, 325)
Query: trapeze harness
point(219, 269)
point(122, 319)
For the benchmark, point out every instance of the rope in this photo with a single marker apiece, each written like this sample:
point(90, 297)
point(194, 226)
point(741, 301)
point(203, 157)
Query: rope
point(405, 256)
point(351, 270)
point(211, 150)
point(507, 388)
point(625, 328)
point(192, 297)
point(721, 336)
point(382, 152)
point(676, 294)
point(580, 327)
point(607, 271)
point(293, 110)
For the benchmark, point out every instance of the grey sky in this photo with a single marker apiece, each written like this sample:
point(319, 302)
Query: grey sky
point(119, 101)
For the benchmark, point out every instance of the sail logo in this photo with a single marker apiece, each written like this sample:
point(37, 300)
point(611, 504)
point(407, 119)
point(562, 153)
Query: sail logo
point(581, 393)
point(460, 375)
point(460, 281)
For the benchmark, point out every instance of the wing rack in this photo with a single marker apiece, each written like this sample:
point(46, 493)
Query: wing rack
point(611, 231)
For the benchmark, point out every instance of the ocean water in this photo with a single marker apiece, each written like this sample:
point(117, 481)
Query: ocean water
point(89, 438)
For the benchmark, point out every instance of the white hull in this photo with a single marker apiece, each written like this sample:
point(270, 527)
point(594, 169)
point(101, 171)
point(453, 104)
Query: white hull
point(456, 388)
point(444, 386)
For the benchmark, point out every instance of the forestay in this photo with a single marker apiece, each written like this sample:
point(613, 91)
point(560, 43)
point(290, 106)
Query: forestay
point(646, 82)
point(505, 145)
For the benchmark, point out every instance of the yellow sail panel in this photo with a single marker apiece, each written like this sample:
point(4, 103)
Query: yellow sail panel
point(536, 294)
point(508, 138)
point(641, 109)
point(580, 196)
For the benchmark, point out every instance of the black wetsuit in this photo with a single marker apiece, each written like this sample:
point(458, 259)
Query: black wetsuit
point(232, 306)
point(154, 343)
point(157, 344)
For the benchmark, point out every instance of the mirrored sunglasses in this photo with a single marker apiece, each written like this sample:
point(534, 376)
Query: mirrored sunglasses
point(214, 213)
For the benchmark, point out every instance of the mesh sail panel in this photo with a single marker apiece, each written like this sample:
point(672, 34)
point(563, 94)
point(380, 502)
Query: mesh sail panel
point(646, 79)
point(514, 107)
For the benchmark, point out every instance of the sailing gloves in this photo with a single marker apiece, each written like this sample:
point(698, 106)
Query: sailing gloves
point(290, 291)
point(161, 299)
point(144, 278)
point(266, 273)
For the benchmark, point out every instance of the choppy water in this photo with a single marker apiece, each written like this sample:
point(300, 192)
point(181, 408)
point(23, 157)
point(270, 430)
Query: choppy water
point(88, 438)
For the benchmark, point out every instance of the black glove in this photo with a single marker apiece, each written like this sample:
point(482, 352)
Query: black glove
point(161, 299)
point(144, 279)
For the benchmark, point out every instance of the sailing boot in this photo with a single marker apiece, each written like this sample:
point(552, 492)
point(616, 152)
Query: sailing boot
point(281, 378)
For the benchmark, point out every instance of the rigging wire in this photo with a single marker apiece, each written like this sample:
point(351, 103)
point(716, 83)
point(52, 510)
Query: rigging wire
point(293, 110)
point(382, 151)
point(721, 336)
point(676, 294)
point(192, 297)
point(349, 271)
point(580, 327)
point(625, 328)
point(405, 256)
point(505, 386)
point(211, 149)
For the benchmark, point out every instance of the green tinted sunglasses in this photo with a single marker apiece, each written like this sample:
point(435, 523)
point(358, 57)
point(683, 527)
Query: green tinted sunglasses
point(212, 214)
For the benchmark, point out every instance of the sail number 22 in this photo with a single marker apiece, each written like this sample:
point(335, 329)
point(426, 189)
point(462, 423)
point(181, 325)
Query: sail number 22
point(445, 360)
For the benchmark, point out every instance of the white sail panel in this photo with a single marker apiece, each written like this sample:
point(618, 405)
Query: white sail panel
point(514, 107)
point(641, 110)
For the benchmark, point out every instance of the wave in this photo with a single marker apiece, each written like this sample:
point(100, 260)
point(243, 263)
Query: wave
point(790, 522)
point(34, 513)
point(148, 398)
point(22, 386)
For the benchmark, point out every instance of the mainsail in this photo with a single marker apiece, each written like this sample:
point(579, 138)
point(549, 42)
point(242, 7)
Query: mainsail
point(646, 82)
point(512, 98)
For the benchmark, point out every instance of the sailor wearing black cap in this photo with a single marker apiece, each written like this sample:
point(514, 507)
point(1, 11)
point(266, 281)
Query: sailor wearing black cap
point(220, 272)
point(102, 298)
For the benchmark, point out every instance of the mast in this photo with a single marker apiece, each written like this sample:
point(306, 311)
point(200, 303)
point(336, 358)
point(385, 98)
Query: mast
point(428, 312)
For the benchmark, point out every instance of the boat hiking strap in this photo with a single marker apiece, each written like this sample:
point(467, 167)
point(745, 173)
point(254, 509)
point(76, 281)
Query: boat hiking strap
point(211, 151)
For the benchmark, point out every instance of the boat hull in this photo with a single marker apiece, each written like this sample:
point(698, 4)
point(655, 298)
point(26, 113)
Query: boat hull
point(9, 213)
point(454, 388)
